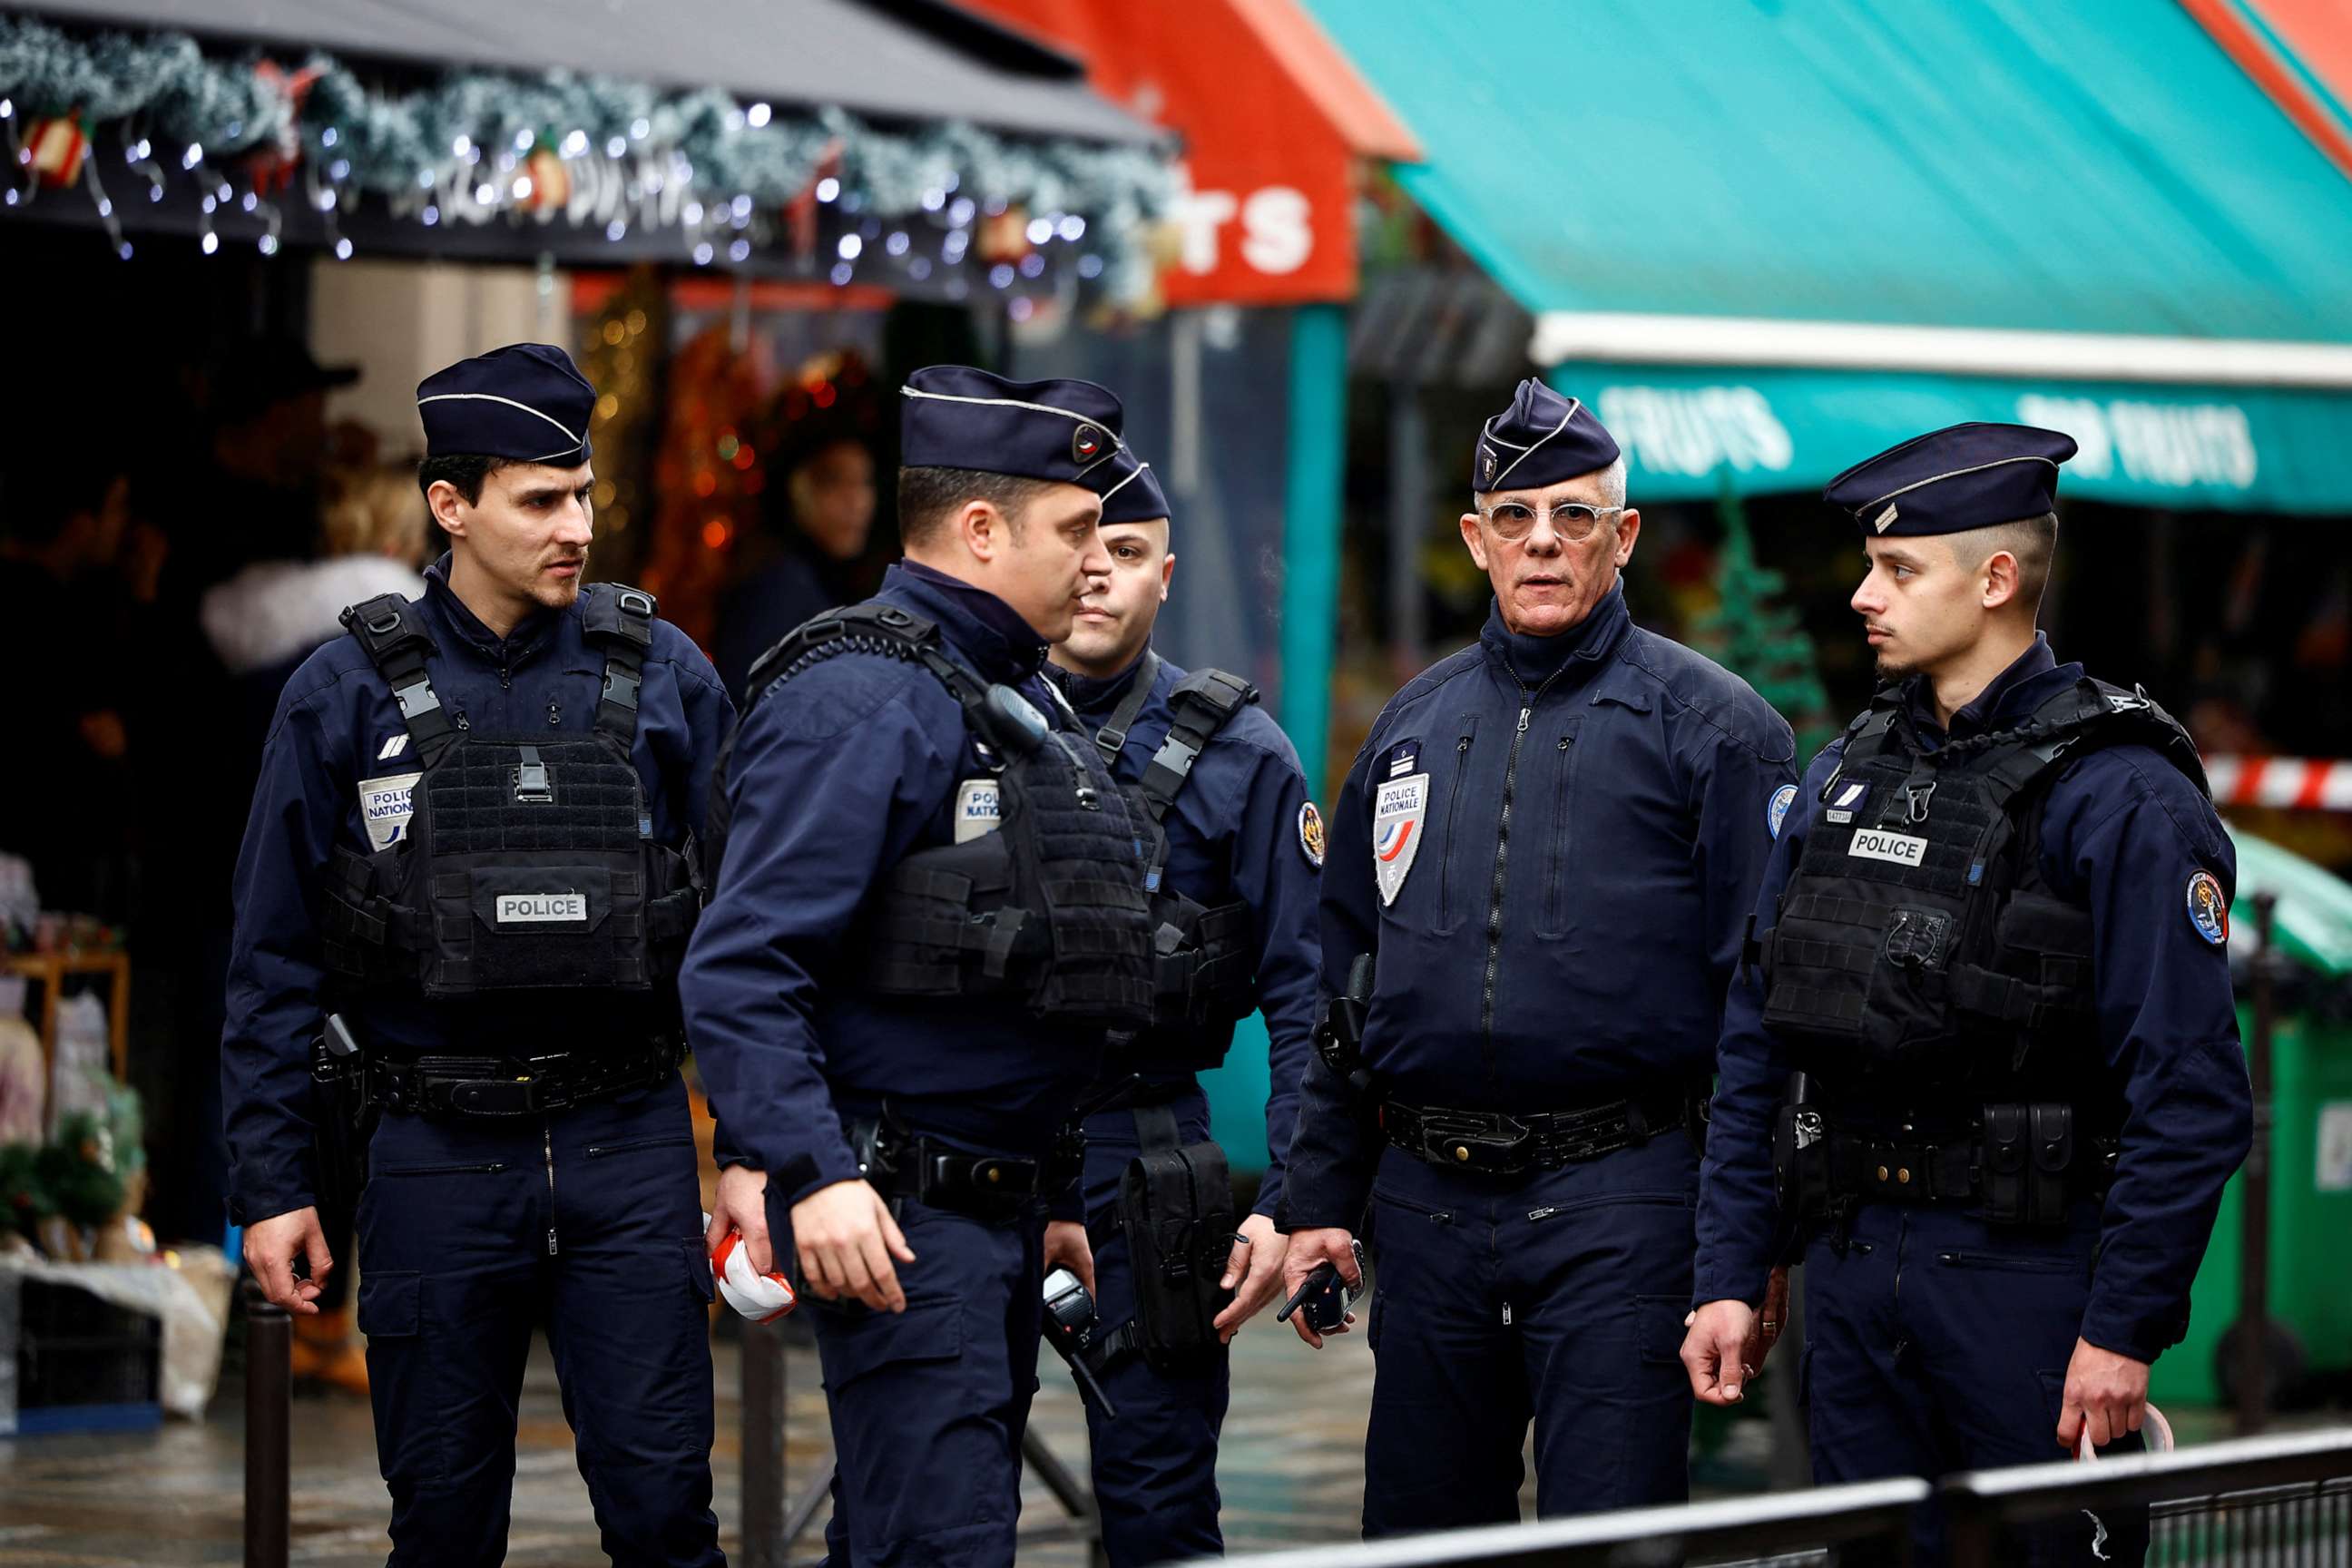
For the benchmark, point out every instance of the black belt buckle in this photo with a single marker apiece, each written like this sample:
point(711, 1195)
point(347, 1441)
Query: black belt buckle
point(1896, 1172)
point(522, 1096)
point(1476, 1144)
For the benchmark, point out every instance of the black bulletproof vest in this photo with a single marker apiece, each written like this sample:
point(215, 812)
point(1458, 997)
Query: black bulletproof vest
point(1918, 941)
point(1048, 909)
point(1204, 974)
point(527, 863)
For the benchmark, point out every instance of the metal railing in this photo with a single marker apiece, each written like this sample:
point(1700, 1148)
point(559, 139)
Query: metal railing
point(2284, 1501)
point(2261, 1503)
point(1776, 1524)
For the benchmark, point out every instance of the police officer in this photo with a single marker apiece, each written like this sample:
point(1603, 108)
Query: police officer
point(1991, 940)
point(471, 856)
point(929, 912)
point(1543, 859)
point(1236, 846)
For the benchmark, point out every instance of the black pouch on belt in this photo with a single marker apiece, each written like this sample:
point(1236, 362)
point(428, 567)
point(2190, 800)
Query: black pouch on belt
point(1176, 1207)
point(2029, 1150)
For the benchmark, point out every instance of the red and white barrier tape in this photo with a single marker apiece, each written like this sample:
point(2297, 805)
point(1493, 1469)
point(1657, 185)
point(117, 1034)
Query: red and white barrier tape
point(2295, 783)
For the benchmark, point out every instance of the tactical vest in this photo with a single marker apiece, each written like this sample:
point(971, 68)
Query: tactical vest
point(528, 863)
point(1918, 941)
point(1205, 973)
point(1048, 908)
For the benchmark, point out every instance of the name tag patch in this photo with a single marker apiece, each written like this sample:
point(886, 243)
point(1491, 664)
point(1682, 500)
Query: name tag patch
point(978, 809)
point(1901, 848)
point(385, 805)
point(542, 909)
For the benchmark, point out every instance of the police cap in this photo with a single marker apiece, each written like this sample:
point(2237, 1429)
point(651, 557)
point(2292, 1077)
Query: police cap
point(1953, 479)
point(1539, 441)
point(525, 402)
point(954, 416)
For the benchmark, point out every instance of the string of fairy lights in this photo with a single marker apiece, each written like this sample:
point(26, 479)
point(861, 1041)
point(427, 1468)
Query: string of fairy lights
point(140, 114)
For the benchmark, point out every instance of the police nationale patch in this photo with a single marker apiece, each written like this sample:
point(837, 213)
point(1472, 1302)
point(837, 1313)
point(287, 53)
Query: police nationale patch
point(979, 809)
point(1310, 833)
point(1399, 807)
point(2208, 912)
point(385, 805)
point(1778, 812)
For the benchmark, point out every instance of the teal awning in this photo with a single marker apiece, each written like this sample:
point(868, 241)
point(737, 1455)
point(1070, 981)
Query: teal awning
point(2085, 210)
point(2231, 449)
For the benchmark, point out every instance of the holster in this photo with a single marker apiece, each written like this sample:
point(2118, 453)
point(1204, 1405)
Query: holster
point(1176, 1205)
point(1803, 1177)
point(2027, 1151)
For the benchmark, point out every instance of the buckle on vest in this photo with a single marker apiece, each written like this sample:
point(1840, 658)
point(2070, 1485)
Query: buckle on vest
point(636, 601)
point(1916, 797)
point(415, 698)
point(532, 785)
point(620, 687)
point(385, 627)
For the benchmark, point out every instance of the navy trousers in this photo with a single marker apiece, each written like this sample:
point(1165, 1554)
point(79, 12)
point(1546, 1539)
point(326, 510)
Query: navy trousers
point(586, 1224)
point(1155, 1468)
point(928, 1404)
point(1934, 1342)
point(1556, 1299)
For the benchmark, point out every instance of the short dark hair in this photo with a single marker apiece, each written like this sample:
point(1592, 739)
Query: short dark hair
point(2032, 540)
point(926, 497)
point(463, 471)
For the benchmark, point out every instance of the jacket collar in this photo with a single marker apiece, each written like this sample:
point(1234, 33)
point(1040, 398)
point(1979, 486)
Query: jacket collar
point(529, 632)
point(2008, 700)
point(1534, 661)
point(988, 631)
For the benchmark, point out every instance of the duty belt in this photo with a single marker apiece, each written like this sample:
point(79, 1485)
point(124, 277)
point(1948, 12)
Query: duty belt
point(1918, 1170)
point(508, 1085)
point(1500, 1144)
point(900, 1164)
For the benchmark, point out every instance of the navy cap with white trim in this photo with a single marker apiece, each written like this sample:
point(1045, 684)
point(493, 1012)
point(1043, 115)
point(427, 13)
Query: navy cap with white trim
point(526, 403)
point(954, 416)
point(1135, 496)
point(1950, 480)
point(1539, 441)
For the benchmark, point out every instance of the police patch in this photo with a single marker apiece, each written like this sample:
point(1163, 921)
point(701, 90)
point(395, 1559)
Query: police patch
point(1778, 812)
point(385, 805)
point(978, 809)
point(1086, 443)
point(1399, 805)
point(1396, 762)
point(1310, 832)
point(2208, 912)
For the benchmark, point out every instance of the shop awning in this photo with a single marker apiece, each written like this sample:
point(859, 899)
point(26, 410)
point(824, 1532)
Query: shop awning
point(1768, 239)
point(910, 59)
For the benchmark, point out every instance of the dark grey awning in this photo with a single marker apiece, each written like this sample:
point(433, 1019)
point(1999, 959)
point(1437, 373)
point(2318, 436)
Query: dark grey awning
point(903, 60)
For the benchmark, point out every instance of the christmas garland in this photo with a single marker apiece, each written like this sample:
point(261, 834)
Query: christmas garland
point(529, 142)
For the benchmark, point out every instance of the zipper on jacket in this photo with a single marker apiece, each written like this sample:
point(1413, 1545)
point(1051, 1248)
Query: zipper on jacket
point(1502, 858)
point(1452, 814)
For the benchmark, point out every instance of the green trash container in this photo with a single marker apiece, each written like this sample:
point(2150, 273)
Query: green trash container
point(2311, 1137)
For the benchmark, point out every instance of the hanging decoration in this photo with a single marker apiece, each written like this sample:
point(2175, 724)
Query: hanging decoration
point(597, 153)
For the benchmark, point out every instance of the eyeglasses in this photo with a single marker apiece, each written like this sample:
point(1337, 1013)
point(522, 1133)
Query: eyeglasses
point(1573, 521)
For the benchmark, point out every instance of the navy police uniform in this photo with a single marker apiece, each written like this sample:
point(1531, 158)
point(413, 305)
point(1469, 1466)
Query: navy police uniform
point(512, 988)
point(922, 927)
point(1548, 848)
point(1994, 952)
point(1241, 841)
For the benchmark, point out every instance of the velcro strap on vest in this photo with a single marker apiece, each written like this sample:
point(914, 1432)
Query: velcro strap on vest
point(1202, 704)
point(619, 620)
point(388, 630)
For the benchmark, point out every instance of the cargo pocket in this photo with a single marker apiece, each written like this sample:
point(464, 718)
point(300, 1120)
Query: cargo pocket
point(1658, 1328)
point(856, 1344)
point(388, 1304)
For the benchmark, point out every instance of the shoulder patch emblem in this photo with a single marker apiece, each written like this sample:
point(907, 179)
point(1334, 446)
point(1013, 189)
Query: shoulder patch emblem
point(1778, 812)
point(2208, 912)
point(1310, 833)
point(1398, 807)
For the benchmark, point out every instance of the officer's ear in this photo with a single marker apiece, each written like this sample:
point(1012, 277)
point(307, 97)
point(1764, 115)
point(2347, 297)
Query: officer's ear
point(448, 508)
point(984, 530)
point(2001, 578)
point(1167, 574)
point(1628, 529)
point(1474, 535)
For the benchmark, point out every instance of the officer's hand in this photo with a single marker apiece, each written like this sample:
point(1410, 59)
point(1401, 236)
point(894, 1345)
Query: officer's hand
point(1770, 1321)
point(742, 1204)
point(1717, 1351)
point(1254, 1273)
point(1066, 1248)
point(2106, 1394)
point(1309, 1249)
point(845, 1239)
point(272, 1244)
